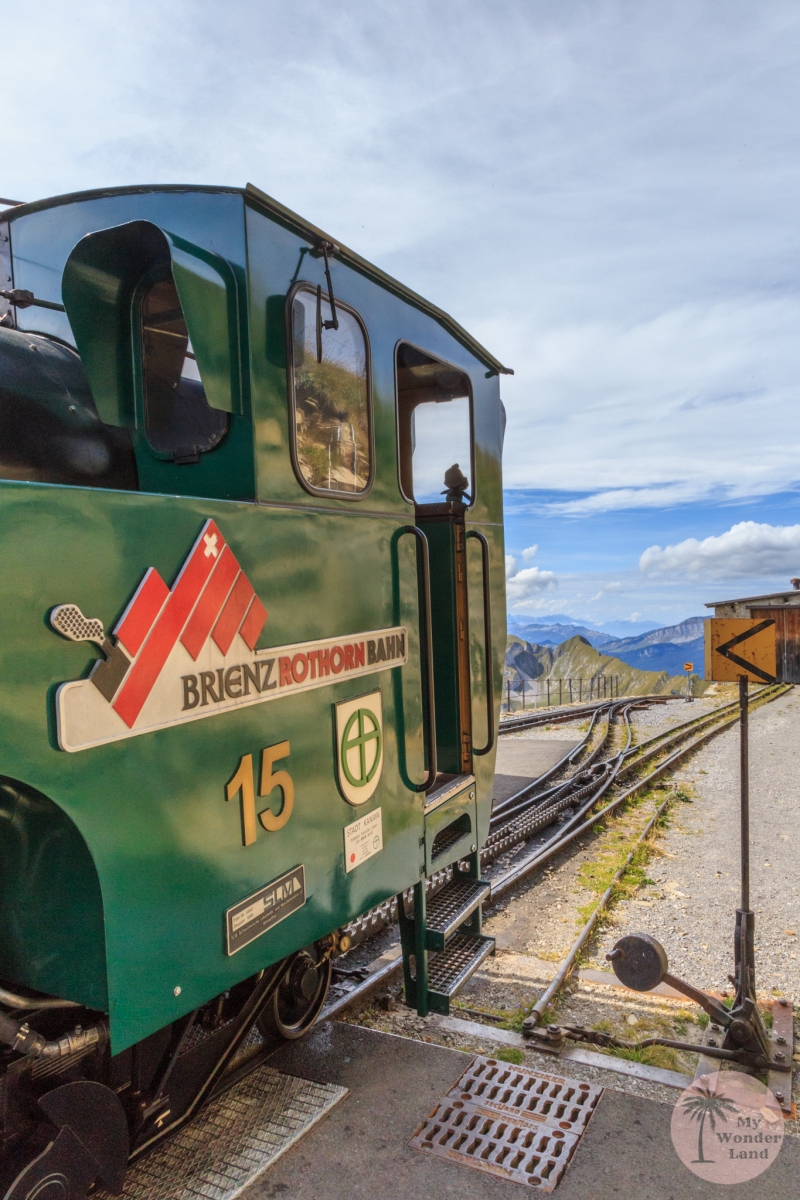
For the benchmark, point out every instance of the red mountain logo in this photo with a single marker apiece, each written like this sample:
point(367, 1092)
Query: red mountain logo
point(183, 653)
point(211, 597)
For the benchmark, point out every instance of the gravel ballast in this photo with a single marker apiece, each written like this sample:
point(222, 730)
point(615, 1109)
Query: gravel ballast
point(691, 904)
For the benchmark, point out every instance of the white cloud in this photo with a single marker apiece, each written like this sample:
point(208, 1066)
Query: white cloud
point(695, 401)
point(747, 549)
point(530, 552)
point(607, 589)
point(665, 496)
point(523, 585)
point(604, 193)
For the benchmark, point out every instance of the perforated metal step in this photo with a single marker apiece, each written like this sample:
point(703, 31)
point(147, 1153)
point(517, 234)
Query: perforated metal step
point(450, 970)
point(451, 907)
point(232, 1140)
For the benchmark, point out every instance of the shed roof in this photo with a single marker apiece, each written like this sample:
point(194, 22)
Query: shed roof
point(776, 598)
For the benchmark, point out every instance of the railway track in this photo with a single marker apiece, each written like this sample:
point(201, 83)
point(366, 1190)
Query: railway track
point(571, 802)
point(556, 716)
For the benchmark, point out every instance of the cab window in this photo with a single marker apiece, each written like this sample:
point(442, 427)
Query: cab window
point(330, 393)
point(179, 422)
point(434, 414)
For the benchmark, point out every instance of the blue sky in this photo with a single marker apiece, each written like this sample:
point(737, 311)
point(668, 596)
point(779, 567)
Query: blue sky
point(595, 570)
point(605, 192)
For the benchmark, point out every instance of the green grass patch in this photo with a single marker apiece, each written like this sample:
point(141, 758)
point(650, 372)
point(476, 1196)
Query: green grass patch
point(510, 1054)
point(703, 1019)
point(515, 1020)
point(549, 1016)
point(651, 1056)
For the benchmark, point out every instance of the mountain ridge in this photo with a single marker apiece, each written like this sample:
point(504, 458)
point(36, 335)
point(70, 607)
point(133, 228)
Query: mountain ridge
point(664, 649)
point(578, 662)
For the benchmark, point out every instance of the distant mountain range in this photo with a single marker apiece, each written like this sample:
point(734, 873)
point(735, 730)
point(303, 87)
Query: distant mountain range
point(663, 650)
point(580, 665)
point(556, 633)
point(614, 629)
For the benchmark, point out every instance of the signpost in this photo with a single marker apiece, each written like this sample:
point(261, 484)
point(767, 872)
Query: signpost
point(736, 646)
point(739, 650)
point(688, 668)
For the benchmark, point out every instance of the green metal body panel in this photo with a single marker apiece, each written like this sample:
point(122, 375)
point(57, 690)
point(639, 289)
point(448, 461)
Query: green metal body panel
point(138, 854)
point(461, 808)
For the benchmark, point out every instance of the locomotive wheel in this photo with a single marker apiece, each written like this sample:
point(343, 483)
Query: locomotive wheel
point(63, 1171)
point(299, 997)
point(92, 1144)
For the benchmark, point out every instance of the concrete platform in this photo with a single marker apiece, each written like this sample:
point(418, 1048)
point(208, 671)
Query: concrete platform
point(360, 1151)
point(627, 1153)
point(519, 760)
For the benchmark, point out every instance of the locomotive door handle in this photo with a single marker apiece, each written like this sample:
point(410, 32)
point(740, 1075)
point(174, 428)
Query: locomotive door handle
point(487, 640)
point(426, 646)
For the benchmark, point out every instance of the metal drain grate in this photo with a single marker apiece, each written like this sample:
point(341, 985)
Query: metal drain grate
point(233, 1140)
point(521, 1125)
point(537, 1097)
point(502, 1145)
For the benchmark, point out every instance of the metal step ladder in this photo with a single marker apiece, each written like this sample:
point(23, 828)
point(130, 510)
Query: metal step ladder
point(442, 942)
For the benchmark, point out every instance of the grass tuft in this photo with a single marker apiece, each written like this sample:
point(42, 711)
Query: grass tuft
point(651, 1056)
point(510, 1054)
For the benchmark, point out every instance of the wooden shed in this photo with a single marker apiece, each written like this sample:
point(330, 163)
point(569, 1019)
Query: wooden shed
point(784, 609)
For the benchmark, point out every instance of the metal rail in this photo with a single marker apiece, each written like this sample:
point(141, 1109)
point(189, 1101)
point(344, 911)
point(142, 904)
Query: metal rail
point(583, 788)
point(567, 835)
point(555, 716)
point(576, 828)
point(765, 695)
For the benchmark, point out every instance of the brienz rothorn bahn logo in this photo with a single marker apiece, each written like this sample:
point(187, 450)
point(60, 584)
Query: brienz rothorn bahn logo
point(186, 652)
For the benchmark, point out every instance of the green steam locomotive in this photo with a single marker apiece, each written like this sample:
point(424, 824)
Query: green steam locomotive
point(252, 630)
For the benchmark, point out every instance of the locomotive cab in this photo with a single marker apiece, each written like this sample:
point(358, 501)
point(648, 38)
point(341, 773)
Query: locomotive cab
point(253, 621)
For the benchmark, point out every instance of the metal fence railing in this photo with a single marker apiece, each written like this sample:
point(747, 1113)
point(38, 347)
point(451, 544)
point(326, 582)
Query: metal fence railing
point(542, 693)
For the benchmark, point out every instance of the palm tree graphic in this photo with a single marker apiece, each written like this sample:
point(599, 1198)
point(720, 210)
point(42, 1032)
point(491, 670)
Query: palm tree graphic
point(701, 1103)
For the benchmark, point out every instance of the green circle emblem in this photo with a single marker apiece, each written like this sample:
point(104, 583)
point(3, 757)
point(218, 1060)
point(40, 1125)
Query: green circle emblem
point(367, 729)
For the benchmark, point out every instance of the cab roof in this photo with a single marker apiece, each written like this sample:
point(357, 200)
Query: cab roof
point(253, 195)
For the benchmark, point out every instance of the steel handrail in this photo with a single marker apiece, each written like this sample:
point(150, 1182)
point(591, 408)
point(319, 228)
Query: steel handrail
point(487, 642)
point(426, 646)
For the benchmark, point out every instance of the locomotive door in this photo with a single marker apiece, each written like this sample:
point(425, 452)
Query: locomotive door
point(436, 467)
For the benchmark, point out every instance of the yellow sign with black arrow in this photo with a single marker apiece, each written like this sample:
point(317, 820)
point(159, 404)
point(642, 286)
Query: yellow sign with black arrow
point(736, 647)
